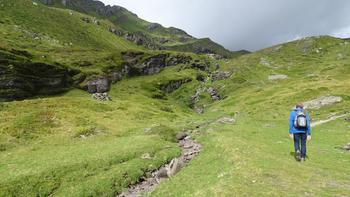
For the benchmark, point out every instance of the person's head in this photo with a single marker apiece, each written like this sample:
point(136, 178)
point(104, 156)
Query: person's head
point(300, 106)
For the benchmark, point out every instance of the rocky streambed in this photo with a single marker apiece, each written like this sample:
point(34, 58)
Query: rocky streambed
point(190, 149)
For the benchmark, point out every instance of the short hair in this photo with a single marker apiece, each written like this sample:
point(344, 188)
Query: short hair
point(300, 105)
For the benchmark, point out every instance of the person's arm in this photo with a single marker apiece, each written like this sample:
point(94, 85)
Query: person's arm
point(291, 122)
point(308, 125)
point(291, 125)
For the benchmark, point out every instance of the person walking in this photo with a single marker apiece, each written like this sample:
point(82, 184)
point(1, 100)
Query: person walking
point(299, 130)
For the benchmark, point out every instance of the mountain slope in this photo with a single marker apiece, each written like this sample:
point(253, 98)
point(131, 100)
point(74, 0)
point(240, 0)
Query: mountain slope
point(151, 35)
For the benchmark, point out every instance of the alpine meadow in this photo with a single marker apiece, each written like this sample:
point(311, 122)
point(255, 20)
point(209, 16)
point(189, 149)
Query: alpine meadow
point(95, 101)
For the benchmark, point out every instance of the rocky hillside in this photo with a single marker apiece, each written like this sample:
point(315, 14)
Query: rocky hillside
point(151, 35)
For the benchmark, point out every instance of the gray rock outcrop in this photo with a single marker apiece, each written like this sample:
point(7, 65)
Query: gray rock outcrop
point(322, 101)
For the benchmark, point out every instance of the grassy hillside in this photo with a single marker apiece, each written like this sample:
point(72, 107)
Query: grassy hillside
point(255, 157)
point(72, 145)
point(144, 33)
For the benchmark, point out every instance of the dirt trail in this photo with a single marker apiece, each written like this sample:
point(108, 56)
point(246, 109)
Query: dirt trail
point(190, 149)
point(331, 118)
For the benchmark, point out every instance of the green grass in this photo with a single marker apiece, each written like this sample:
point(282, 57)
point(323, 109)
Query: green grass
point(70, 144)
point(254, 157)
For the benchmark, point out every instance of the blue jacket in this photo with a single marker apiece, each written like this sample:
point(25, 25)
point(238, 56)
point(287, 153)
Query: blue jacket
point(292, 129)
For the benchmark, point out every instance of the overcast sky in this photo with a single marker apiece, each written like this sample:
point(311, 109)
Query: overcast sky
point(247, 24)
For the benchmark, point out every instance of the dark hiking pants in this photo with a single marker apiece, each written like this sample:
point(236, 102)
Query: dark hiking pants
point(300, 143)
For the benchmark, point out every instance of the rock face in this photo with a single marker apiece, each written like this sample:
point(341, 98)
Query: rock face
point(174, 85)
point(154, 64)
point(322, 101)
point(23, 79)
point(277, 77)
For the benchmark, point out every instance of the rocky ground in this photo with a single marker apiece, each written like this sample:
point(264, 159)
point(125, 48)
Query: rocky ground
point(190, 149)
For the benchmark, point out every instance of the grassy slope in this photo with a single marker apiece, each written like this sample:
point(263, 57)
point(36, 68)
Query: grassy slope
point(58, 35)
point(176, 38)
point(254, 157)
point(43, 153)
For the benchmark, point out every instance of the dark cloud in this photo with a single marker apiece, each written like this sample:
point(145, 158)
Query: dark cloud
point(247, 24)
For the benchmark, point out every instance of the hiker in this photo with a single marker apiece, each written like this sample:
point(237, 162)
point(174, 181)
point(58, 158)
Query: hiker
point(299, 130)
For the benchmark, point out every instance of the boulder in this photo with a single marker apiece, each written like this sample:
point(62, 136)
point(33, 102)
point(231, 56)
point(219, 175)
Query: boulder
point(277, 77)
point(347, 147)
point(322, 101)
point(226, 120)
point(181, 136)
point(98, 85)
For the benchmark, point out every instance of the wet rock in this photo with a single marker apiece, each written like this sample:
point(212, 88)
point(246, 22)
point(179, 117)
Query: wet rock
point(181, 136)
point(162, 173)
point(226, 120)
point(322, 101)
point(101, 96)
point(277, 77)
point(217, 76)
point(174, 167)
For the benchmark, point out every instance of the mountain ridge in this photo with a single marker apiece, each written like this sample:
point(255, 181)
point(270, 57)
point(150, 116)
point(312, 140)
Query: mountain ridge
point(151, 35)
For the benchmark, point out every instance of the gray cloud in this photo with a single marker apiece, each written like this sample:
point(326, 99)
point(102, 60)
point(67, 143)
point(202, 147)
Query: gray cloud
point(247, 24)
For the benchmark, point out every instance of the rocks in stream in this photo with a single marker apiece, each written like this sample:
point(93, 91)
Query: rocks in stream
point(190, 149)
point(181, 136)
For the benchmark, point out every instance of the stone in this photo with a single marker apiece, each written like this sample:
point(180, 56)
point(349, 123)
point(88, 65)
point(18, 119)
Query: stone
point(347, 147)
point(213, 93)
point(162, 173)
point(101, 96)
point(146, 156)
point(277, 77)
point(217, 76)
point(98, 85)
point(174, 167)
point(181, 136)
point(322, 101)
point(226, 120)
point(199, 110)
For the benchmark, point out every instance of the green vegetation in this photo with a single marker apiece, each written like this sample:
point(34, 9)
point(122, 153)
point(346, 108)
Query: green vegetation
point(71, 145)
